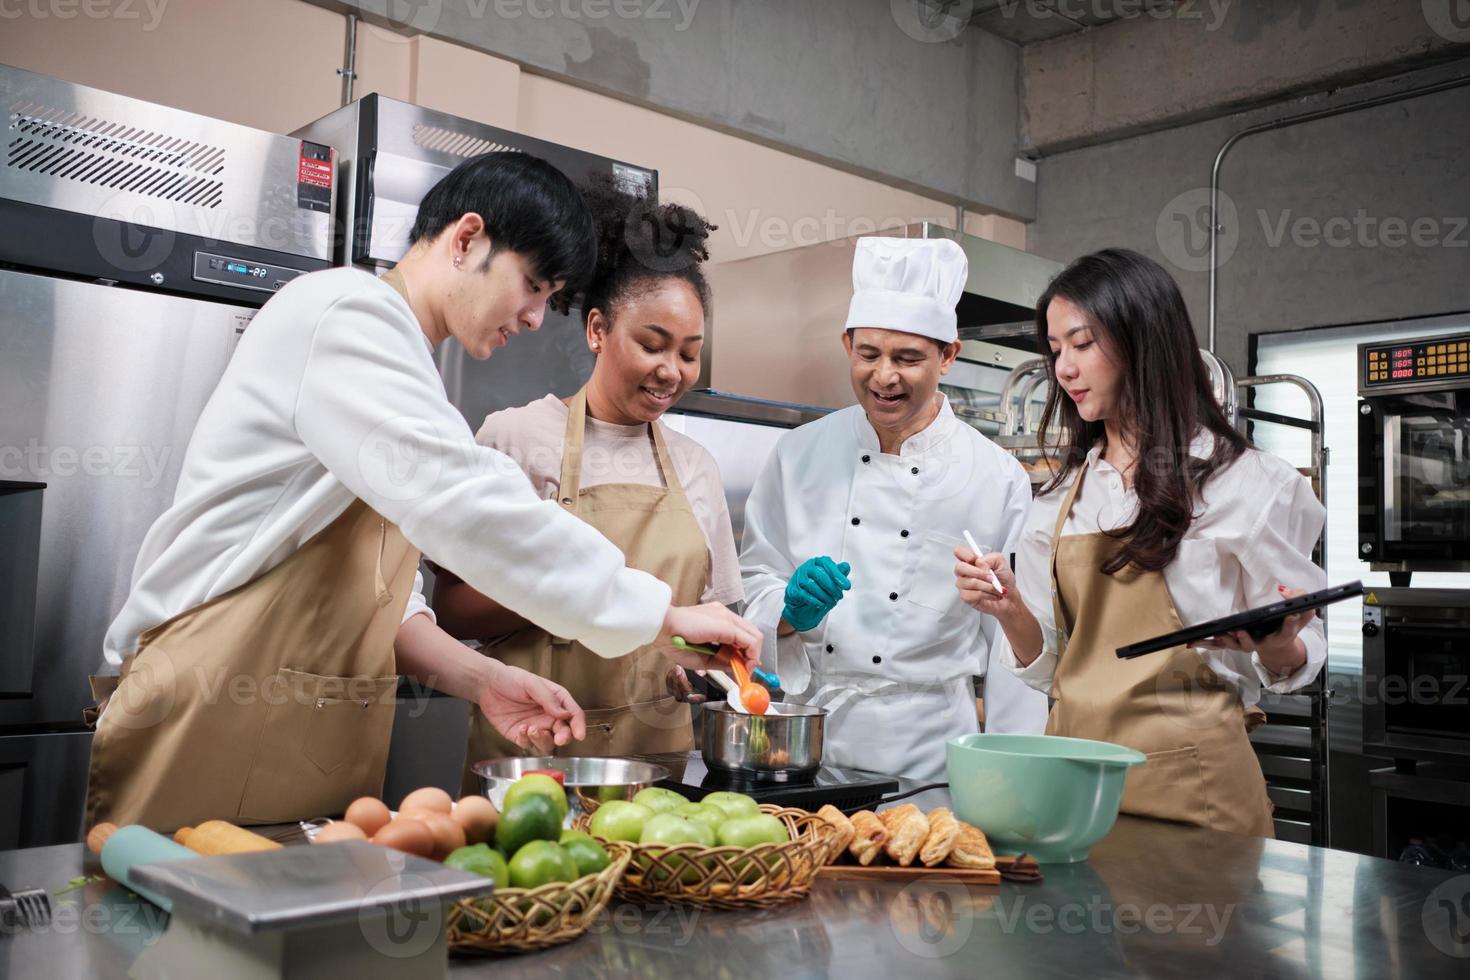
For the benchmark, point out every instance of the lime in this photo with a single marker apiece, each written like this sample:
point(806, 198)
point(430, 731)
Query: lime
point(588, 855)
point(537, 784)
point(481, 860)
point(540, 862)
point(532, 817)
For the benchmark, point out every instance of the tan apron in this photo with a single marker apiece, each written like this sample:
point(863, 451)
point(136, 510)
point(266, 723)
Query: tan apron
point(629, 710)
point(272, 702)
point(1170, 705)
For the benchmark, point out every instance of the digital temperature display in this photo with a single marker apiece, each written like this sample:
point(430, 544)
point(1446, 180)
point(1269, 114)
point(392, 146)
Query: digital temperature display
point(254, 271)
point(1443, 358)
point(224, 270)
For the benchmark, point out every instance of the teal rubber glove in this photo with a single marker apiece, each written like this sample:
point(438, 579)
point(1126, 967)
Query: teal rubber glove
point(813, 590)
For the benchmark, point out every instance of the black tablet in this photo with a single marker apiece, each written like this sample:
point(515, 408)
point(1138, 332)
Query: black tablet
point(1259, 622)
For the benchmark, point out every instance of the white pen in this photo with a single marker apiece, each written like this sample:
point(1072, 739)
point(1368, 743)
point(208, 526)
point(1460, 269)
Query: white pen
point(970, 540)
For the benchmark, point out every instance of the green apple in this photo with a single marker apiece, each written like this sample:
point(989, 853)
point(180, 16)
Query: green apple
point(762, 828)
point(733, 804)
point(658, 799)
point(620, 820)
point(670, 828)
point(540, 785)
point(710, 816)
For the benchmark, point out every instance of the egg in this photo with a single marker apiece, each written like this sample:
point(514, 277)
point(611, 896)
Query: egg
point(428, 798)
point(478, 817)
point(448, 834)
point(369, 814)
point(338, 830)
point(407, 835)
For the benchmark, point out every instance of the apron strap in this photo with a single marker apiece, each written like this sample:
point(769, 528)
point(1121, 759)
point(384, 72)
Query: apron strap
point(575, 438)
point(1063, 513)
point(571, 454)
point(665, 461)
point(394, 278)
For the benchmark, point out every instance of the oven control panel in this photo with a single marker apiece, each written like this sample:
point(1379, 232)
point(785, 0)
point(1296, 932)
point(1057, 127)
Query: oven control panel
point(1426, 363)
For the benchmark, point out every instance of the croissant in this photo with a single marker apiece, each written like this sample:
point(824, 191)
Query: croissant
point(868, 836)
point(971, 849)
point(907, 827)
point(943, 829)
point(840, 823)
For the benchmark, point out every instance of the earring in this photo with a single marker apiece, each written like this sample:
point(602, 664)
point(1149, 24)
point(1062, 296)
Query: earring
point(458, 261)
point(597, 347)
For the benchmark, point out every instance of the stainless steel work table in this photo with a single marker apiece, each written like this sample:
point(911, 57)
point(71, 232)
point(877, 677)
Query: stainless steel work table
point(1154, 900)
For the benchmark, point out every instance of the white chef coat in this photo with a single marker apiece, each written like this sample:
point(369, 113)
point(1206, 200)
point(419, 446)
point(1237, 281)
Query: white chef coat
point(1255, 530)
point(893, 660)
point(332, 395)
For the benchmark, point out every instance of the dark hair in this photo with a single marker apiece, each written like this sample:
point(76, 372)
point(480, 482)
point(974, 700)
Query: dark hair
point(529, 207)
point(642, 244)
point(1165, 395)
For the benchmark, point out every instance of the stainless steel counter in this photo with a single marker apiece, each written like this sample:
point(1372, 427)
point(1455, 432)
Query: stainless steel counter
point(1154, 900)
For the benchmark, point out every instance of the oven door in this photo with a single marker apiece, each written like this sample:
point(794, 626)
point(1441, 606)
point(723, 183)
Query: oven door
point(1414, 477)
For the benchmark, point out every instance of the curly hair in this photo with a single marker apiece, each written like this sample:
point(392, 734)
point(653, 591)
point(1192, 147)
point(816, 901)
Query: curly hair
point(642, 244)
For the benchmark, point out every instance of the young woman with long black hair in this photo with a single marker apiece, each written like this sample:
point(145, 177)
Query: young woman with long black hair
point(1159, 514)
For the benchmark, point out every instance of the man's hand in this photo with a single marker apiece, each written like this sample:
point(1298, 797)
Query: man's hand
point(709, 624)
point(814, 589)
point(531, 711)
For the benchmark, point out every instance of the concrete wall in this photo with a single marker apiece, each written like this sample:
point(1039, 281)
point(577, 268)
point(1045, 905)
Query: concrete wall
point(1355, 218)
point(272, 64)
point(862, 84)
point(1203, 57)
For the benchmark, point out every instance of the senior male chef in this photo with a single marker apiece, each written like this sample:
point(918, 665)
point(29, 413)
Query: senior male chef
point(850, 532)
point(276, 601)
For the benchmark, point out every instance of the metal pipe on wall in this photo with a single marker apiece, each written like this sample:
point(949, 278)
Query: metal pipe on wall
point(349, 70)
point(1283, 123)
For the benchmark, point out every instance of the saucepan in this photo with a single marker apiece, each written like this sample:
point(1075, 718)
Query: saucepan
point(784, 744)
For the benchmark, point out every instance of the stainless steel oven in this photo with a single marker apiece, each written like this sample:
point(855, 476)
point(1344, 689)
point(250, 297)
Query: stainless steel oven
point(1416, 673)
point(1414, 455)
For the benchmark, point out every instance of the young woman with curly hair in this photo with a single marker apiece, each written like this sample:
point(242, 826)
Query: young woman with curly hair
point(603, 455)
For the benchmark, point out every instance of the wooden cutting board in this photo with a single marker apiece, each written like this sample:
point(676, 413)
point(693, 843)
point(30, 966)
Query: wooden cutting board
point(1005, 865)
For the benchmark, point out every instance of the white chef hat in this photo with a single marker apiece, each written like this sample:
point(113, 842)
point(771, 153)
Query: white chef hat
point(908, 284)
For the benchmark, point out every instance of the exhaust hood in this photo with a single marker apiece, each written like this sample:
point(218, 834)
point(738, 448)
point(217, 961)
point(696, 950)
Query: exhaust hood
point(776, 328)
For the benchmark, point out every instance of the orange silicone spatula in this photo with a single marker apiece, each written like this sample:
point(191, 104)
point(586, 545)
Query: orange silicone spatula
point(755, 698)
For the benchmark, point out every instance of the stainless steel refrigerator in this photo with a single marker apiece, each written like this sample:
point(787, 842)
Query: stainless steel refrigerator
point(138, 240)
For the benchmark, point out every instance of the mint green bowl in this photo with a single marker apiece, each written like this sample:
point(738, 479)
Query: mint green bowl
point(1048, 796)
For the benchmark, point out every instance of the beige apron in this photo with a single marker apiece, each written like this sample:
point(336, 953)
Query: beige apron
point(629, 710)
point(1169, 705)
point(272, 702)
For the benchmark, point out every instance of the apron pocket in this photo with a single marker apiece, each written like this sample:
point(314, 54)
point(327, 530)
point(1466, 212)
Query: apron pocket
point(638, 729)
point(1170, 785)
point(933, 584)
point(324, 742)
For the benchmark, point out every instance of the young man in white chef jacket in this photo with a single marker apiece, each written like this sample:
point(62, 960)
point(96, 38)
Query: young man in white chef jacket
point(850, 531)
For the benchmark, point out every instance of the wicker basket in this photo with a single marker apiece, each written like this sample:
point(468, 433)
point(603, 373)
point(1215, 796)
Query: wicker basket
point(730, 877)
point(518, 920)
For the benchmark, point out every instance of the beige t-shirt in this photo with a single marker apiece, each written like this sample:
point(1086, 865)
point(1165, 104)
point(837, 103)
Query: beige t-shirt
point(533, 435)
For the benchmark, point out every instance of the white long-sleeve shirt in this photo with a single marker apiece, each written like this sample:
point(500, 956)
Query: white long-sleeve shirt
point(1255, 530)
point(332, 395)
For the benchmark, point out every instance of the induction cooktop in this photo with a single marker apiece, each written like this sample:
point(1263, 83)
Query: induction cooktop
point(843, 788)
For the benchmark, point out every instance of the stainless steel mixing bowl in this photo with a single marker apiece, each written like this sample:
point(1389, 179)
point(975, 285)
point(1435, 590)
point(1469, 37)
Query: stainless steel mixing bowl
point(590, 780)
